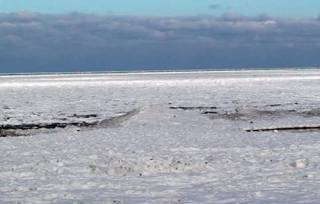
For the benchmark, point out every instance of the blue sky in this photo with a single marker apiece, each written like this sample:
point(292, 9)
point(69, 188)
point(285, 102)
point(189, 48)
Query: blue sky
point(157, 34)
point(283, 8)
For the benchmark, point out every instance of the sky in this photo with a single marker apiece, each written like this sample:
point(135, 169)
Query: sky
point(104, 35)
point(286, 8)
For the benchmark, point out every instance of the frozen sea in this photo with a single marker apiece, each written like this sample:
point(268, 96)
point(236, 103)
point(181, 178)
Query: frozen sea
point(167, 137)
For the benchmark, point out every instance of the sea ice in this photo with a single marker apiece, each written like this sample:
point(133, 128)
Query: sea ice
point(171, 138)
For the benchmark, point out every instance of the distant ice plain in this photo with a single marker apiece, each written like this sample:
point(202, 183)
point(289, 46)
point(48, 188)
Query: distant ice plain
point(163, 154)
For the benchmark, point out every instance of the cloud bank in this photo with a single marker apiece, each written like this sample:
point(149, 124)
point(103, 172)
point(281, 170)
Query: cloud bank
point(82, 42)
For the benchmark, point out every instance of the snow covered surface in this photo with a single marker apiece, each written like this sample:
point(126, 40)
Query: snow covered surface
point(186, 143)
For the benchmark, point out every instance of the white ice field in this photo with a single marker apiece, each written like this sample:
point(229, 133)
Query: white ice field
point(160, 138)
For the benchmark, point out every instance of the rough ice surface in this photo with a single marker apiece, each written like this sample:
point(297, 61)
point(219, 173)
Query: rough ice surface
point(197, 154)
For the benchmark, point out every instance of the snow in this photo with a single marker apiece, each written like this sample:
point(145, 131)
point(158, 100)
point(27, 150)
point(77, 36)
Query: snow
point(160, 154)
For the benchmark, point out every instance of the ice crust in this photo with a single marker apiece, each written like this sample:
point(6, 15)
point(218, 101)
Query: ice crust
point(163, 155)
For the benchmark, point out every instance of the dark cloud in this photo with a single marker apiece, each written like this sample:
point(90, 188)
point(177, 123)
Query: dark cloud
point(214, 6)
point(77, 42)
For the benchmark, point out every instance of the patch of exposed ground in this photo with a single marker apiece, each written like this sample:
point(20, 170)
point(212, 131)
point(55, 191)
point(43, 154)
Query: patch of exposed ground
point(247, 113)
point(250, 114)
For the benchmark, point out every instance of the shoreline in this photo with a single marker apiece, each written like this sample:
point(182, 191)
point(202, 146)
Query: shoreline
point(168, 71)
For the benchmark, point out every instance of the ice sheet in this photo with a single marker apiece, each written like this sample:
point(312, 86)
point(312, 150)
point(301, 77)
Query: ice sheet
point(162, 154)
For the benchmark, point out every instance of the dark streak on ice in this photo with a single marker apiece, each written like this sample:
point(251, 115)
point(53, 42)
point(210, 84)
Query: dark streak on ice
point(84, 116)
point(193, 107)
point(306, 127)
point(13, 130)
